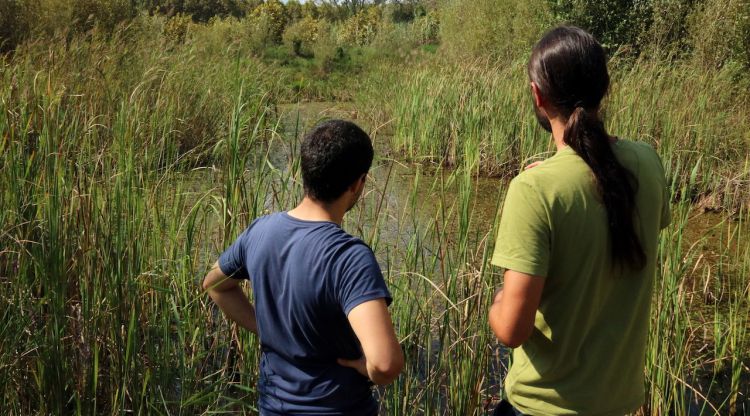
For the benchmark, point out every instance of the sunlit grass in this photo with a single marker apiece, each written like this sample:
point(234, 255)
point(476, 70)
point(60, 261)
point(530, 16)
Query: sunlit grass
point(128, 164)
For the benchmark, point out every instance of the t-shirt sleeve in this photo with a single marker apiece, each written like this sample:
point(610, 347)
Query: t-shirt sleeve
point(523, 240)
point(360, 279)
point(232, 260)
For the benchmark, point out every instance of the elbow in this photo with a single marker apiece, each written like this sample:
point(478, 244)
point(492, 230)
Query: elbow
point(511, 340)
point(512, 337)
point(387, 371)
point(509, 334)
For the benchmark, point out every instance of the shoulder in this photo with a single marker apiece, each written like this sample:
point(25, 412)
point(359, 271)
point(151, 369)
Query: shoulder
point(268, 218)
point(349, 252)
point(525, 182)
point(354, 248)
point(528, 198)
point(642, 149)
point(264, 219)
point(554, 177)
point(258, 228)
point(260, 222)
point(532, 189)
point(644, 154)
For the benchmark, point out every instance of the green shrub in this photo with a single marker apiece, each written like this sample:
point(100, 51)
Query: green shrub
point(667, 27)
point(301, 35)
point(200, 10)
point(720, 32)
point(428, 27)
point(176, 28)
point(81, 16)
point(20, 19)
point(327, 49)
point(271, 17)
point(401, 40)
point(361, 28)
point(500, 29)
point(294, 10)
point(14, 24)
point(309, 9)
point(403, 12)
point(265, 26)
point(613, 22)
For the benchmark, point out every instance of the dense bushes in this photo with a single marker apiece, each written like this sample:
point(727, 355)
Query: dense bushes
point(301, 35)
point(202, 10)
point(361, 28)
point(176, 28)
point(272, 17)
point(613, 22)
point(21, 18)
point(714, 32)
point(500, 29)
point(719, 32)
point(14, 24)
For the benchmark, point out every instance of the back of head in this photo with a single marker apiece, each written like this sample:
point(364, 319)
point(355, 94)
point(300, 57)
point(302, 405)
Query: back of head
point(569, 68)
point(334, 155)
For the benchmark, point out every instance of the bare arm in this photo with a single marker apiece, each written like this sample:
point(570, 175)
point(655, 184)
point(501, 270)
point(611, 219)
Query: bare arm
point(229, 297)
point(383, 359)
point(514, 308)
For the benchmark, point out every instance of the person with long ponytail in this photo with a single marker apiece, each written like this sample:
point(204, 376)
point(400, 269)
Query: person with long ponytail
point(578, 239)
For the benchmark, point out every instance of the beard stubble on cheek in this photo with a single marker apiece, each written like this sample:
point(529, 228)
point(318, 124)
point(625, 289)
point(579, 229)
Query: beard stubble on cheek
point(541, 118)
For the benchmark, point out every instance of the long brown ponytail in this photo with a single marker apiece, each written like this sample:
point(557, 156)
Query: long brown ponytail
point(569, 67)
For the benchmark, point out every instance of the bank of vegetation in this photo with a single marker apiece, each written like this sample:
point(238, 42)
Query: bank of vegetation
point(137, 139)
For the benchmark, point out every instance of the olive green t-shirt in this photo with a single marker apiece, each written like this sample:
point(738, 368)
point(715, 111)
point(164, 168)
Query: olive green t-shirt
point(587, 352)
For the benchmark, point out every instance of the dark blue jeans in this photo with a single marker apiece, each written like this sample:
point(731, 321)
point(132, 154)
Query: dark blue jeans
point(506, 409)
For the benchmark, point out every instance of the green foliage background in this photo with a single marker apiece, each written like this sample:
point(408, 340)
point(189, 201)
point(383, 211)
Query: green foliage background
point(110, 108)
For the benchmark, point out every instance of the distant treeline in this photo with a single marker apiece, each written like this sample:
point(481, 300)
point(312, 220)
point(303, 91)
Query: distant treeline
point(21, 19)
point(714, 31)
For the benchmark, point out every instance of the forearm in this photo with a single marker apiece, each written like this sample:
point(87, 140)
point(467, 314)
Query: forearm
point(513, 312)
point(494, 318)
point(236, 306)
point(498, 296)
point(495, 315)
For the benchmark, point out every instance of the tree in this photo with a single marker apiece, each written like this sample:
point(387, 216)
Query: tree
point(294, 10)
point(201, 10)
point(351, 7)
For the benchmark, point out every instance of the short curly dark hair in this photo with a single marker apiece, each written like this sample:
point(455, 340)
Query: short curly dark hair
point(334, 155)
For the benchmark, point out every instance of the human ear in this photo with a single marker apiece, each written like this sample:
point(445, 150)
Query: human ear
point(537, 95)
point(358, 185)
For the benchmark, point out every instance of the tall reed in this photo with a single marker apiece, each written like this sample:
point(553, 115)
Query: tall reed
point(128, 163)
point(456, 114)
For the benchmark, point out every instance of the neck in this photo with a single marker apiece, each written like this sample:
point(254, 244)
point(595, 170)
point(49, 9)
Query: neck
point(313, 210)
point(558, 131)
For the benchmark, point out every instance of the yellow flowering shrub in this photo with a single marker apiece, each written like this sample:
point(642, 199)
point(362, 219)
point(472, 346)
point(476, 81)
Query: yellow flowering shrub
point(271, 16)
point(361, 28)
point(301, 35)
point(176, 27)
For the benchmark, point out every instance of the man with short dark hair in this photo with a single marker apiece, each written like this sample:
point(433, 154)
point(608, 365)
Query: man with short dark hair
point(320, 298)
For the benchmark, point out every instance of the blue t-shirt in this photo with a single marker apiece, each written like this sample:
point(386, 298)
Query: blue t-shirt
point(306, 278)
